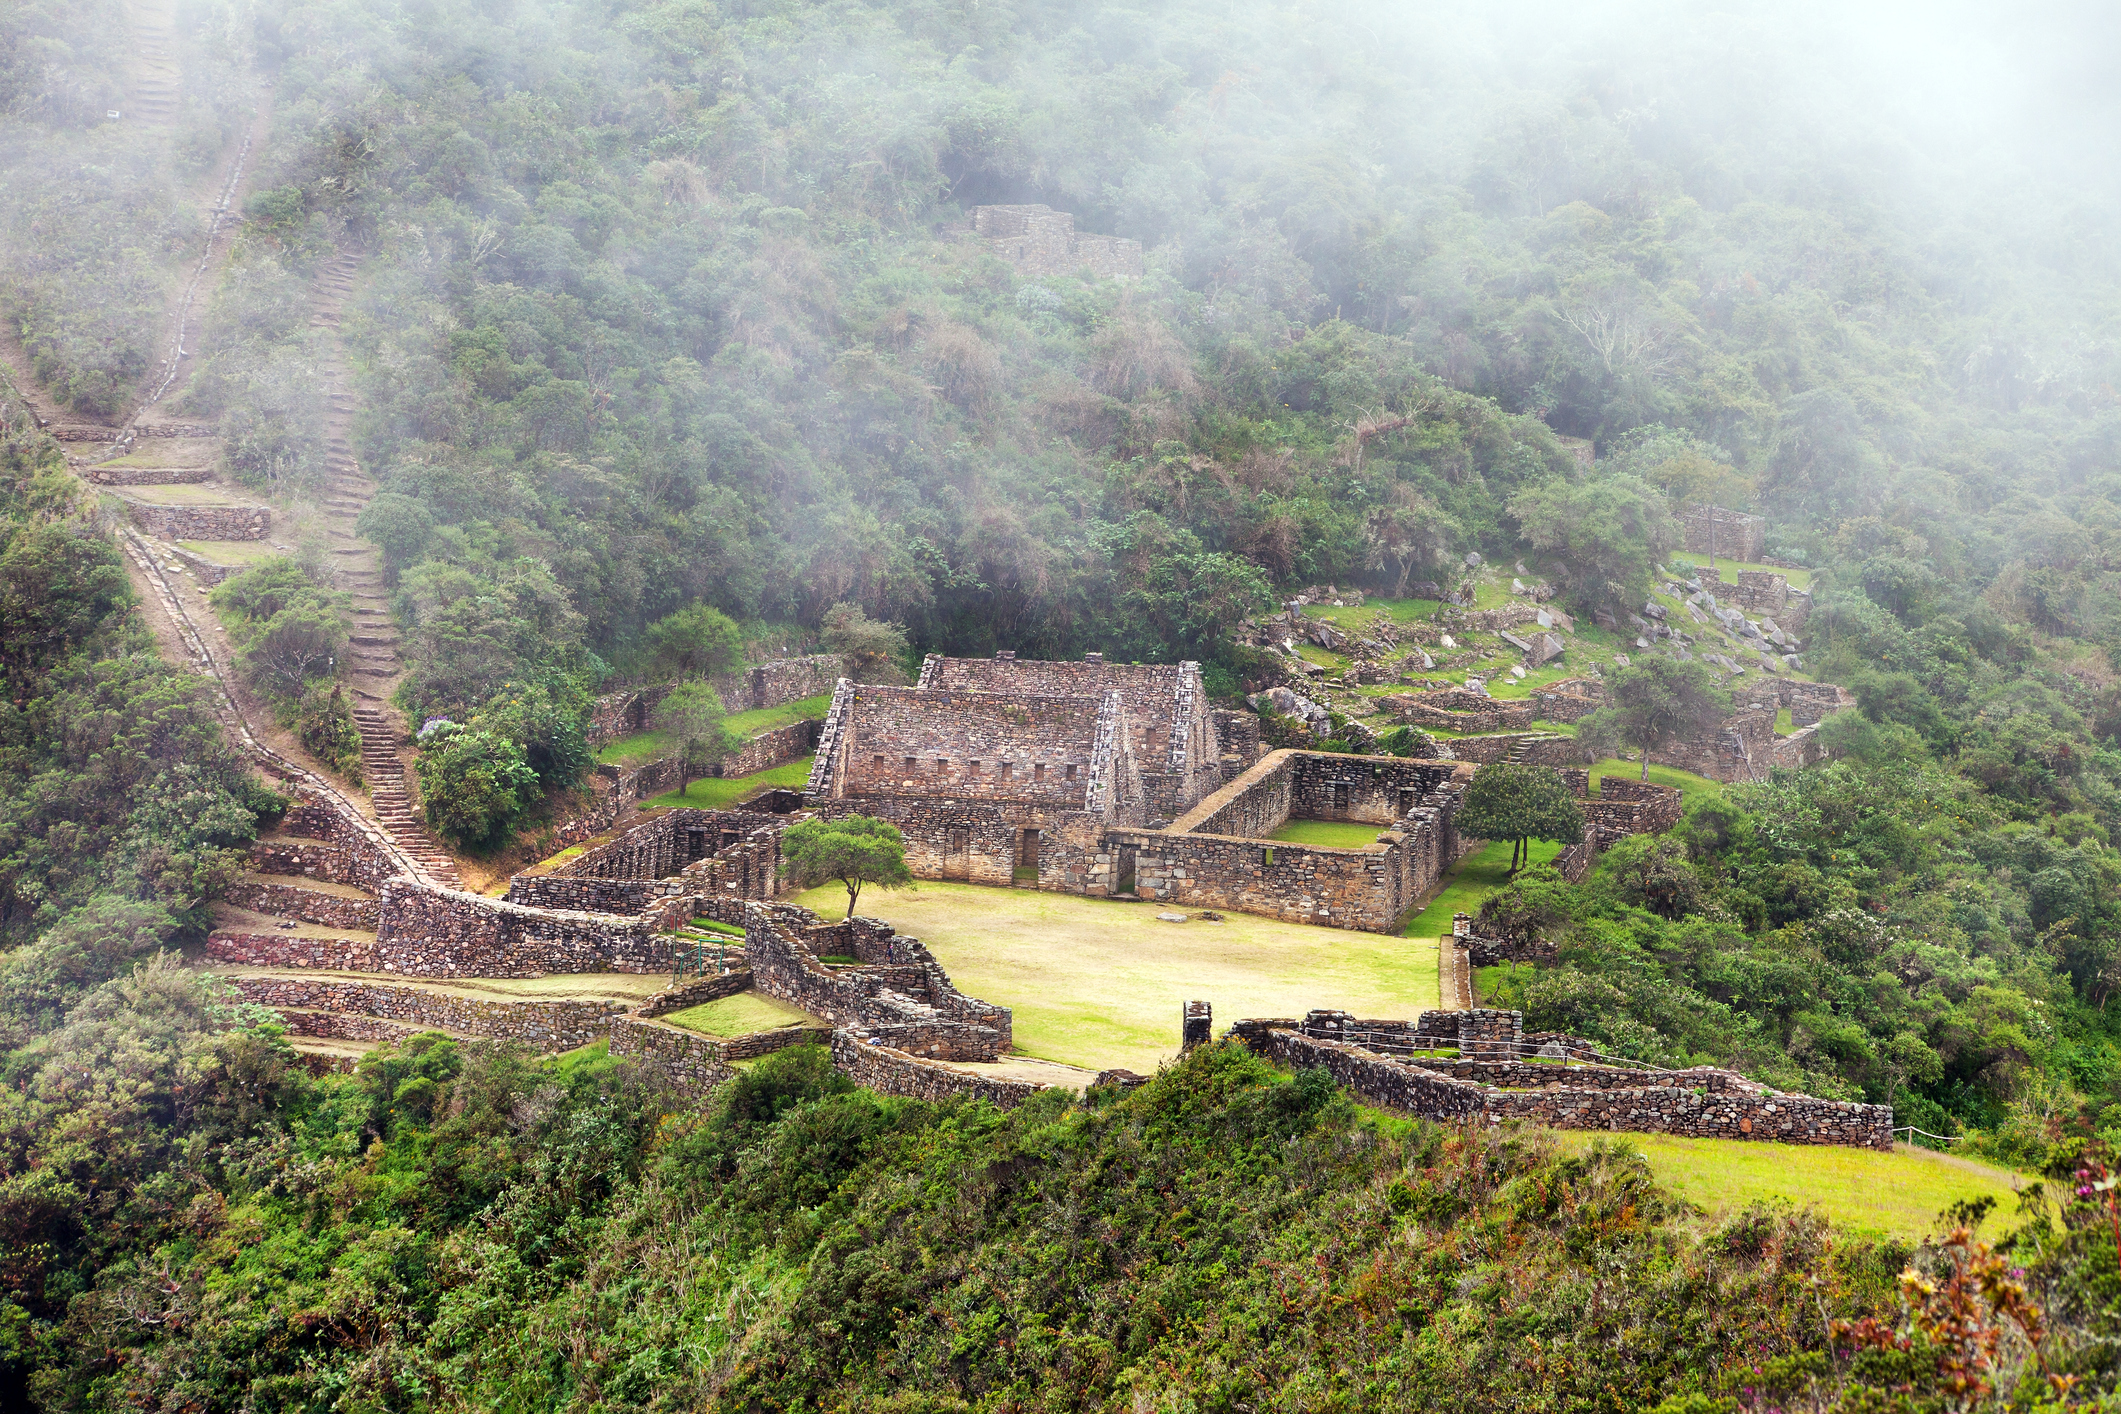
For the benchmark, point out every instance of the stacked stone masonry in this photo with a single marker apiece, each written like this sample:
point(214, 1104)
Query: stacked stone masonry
point(200, 522)
point(289, 900)
point(547, 1025)
point(1731, 535)
point(1038, 240)
point(893, 1072)
point(1682, 1102)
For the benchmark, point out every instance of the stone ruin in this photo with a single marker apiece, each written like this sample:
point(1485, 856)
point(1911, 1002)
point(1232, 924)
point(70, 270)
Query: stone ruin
point(1495, 1072)
point(1723, 534)
point(1038, 240)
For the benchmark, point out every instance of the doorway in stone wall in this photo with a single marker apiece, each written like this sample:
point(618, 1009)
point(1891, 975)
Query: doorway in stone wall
point(957, 853)
point(1026, 872)
point(1124, 883)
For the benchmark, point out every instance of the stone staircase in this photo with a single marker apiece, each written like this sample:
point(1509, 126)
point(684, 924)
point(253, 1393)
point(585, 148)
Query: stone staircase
point(152, 95)
point(386, 790)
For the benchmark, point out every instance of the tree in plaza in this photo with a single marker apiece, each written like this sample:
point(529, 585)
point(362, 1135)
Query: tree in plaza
point(856, 850)
point(696, 642)
point(693, 715)
point(1510, 801)
point(1656, 701)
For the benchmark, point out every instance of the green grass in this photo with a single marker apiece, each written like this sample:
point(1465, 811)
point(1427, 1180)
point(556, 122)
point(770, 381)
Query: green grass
point(1784, 723)
point(1399, 611)
point(1098, 983)
point(1799, 579)
point(740, 1015)
point(643, 747)
point(1896, 1195)
point(1691, 787)
point(1477, 875)
point(1336, 834)
point(713, 793)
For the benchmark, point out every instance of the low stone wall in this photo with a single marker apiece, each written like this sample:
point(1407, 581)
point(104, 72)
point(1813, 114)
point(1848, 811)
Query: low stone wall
point(687, 1059)
point(1532, 1075)
point(200, 522)
point(694, 994)
point(433, 932)
point(344, 1027)
point(149, 476)
point(1726, 534)
point(1464, 717)
point(364, 862)
point(935, 1040)
point(312, 859)
point(1659, 1109)
point(231, 945)
point(1801, 748)
point(552, 1026)
point(893, 1072)
point(783, 944)
point(360, 915)
point(1539, 749)
point(770, 749)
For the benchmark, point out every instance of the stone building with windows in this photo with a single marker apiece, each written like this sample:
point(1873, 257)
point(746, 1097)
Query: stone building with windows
point(1117, 780)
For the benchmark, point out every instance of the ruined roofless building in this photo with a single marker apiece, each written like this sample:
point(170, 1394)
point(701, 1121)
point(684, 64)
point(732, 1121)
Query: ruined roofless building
point(1038, 240)
point(1002, 771)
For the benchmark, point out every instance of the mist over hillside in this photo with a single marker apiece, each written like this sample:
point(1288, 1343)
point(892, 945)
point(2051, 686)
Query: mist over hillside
point(550, 352)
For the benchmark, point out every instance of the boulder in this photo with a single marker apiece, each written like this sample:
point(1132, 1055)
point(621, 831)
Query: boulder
point(1473, 560)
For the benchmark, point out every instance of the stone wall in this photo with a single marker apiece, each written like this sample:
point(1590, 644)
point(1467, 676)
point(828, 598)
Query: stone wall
point(313, 859)
point(1539, 749)
point(908, 989)
point(200, 522)
point(1730, 535)
point(1670, 1107)
point(1170, 736)
point(364, 862)
point(1314, 785)
point(1454, 709)
point(774, 684)
point(971, 746)
point(1038, 240)
point(247, 949)
point(1813, 702)
point(149, 476)
point(689, 1060)
point(893, 1072)
point(548, 1025)
point(692, 994)
point(291, 901)
point(433, 932)
point(1236, 738)
point(770, 749)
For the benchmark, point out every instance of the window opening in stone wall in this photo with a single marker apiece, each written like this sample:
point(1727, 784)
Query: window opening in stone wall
point(1266, 856)
point(1038, 771)
point(1004, 768)
point(910, 767)
point(695, 845)
point(1340, 795)
point(1071, 773)
point(1124, 884)
point(1409, 797)
point(1026, 871)
point(972, 768)
point(942, 765)
point(957, 853)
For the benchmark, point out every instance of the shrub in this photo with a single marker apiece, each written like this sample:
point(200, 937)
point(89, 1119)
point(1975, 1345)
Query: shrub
point(475, 785)
point(326, 727)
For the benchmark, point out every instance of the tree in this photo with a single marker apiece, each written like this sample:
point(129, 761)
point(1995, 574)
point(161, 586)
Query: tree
point(1603, 536)
point(699, 641)
point(295, 646)
point(855, 850)
point(1654, 702)
point(1511, 801)
point(474, 785)
point(870, 650)
point(693, 715)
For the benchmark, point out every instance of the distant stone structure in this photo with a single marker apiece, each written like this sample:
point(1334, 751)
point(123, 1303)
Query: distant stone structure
point(1038, 240)
point(1725, 534)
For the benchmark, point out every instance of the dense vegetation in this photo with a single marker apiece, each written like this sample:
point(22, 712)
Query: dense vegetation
point(464, 1229)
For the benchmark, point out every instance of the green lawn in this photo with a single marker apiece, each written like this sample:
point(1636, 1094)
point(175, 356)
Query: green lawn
point(1691, 786)
point(1337, 834)
point(643, 747)
point(1477, 875)
point(1399, 611)
point(1898, 1194)
point(740, 1015)
point(1098, 983)
point(713, 793)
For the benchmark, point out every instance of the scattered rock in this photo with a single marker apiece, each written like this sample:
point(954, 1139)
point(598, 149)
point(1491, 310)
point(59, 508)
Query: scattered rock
point(1620, 659)
point(1172, 917)
point(1473, 559)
